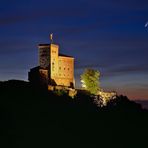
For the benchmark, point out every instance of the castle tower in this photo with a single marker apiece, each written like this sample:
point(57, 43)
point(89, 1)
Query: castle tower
point(54, 52)
point(54, 69)
point(44, 56)
point(48, 59)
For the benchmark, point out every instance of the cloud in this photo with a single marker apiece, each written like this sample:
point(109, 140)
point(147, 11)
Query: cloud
point(14, 47)
point(102, 13)
point(36, 14)
point(8, 20)
point(131, 69)
point(109, 69)
point(126, 70)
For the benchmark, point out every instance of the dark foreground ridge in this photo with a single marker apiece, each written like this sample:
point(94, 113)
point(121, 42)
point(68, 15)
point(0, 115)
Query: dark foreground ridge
point(32, 118)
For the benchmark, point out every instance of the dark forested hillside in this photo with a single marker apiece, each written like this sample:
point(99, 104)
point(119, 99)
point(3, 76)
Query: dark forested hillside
point(32, 117)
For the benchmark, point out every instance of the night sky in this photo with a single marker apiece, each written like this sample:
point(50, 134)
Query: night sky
point(108, 35)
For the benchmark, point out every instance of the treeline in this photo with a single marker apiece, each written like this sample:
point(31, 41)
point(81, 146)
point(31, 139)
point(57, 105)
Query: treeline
point(33, 117)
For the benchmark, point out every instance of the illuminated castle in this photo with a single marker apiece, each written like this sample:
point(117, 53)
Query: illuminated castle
point(54, 69)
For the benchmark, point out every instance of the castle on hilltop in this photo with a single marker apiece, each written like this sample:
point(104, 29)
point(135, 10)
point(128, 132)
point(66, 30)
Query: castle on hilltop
point(54, 69)
point(56, 72)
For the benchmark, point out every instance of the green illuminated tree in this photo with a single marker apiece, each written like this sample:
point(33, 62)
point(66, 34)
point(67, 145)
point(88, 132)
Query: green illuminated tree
point(90, 80)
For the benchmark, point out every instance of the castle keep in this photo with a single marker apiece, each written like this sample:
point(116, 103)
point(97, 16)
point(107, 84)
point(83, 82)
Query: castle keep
point(56, 72)
point(54, 69)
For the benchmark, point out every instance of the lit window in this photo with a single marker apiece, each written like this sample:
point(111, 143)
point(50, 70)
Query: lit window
point(52, 66)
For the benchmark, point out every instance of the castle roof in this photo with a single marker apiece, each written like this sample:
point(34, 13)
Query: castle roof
point(63, 55)
point(44, 44)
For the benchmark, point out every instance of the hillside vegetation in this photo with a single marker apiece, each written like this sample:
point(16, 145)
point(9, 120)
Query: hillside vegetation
point(33, 117)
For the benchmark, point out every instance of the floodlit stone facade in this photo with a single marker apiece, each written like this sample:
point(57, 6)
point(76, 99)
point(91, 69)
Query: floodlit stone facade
point(54, 69)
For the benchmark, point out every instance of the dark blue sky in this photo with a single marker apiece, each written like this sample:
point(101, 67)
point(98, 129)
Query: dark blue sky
point(108, 35)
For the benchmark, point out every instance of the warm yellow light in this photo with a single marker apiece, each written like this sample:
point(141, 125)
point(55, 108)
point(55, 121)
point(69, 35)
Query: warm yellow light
point(83, 84)
point(106, 96)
